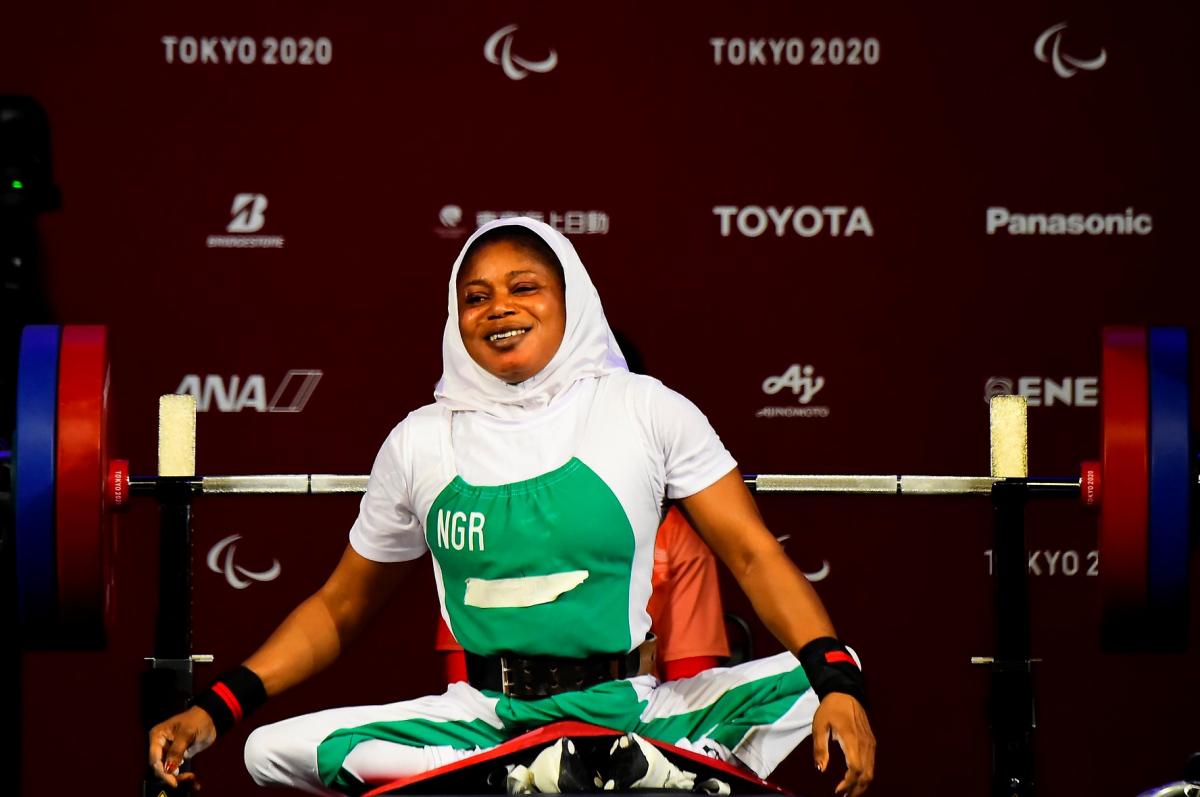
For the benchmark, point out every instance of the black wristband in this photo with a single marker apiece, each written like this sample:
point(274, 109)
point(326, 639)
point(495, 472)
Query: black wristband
point(831, 667)
point(232, 696)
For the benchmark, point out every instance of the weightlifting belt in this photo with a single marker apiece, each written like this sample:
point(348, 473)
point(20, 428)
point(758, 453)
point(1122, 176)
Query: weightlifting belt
point(529, 677)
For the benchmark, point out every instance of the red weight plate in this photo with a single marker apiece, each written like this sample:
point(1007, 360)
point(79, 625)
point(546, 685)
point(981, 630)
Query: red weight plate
point(84, 530)
point(1124, 515)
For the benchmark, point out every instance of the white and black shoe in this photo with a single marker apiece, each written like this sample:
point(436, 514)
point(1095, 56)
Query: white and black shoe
point(558, 769)
point(634, 763)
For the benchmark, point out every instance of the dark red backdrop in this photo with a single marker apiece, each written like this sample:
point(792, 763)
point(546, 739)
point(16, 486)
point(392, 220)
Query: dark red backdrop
point(668, 141)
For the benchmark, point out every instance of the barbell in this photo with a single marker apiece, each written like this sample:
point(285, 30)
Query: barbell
point(66, 485)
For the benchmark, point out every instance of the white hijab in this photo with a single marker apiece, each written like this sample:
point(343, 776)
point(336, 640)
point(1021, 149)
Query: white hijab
point(588, 347)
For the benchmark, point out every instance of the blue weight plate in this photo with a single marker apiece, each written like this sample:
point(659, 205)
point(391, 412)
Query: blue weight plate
point(34, 457)
point(1170, 479)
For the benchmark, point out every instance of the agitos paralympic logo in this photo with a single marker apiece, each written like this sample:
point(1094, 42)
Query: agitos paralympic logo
point(499, 50)
point(1065, 65)
point(220, 560)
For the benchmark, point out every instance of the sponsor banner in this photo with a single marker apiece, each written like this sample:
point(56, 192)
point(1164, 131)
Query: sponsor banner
point(248, 50)
point(804, 384)
point(235, 394)
point(1039, 391)
point(248, 216)
point(452, 220)
point(806, 221)
point(1002, 220)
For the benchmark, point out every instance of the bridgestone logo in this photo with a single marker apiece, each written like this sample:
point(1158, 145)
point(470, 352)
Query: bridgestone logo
point(245, 242)
point(1127, 223)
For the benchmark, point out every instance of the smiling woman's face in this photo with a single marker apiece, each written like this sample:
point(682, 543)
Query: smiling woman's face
point(511, 311)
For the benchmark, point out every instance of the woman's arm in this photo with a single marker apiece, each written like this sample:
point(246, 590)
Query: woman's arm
point(317, 630)
point(727, 519)
point(306, 642)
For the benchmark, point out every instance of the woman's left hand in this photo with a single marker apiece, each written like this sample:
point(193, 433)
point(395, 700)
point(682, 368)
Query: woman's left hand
point(843, 718)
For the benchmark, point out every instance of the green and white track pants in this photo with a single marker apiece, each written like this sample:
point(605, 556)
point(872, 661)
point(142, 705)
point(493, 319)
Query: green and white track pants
point(755, 713)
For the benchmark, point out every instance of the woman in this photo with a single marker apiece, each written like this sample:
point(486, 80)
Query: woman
point(536, 479)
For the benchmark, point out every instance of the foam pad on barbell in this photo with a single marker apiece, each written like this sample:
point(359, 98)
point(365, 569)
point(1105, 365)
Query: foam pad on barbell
point(34, 455)
point(1124, 519)
point(84, 527)
point(1170, 483)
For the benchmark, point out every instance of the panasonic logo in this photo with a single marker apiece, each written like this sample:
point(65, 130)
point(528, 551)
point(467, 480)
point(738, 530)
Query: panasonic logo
point(1127, 223)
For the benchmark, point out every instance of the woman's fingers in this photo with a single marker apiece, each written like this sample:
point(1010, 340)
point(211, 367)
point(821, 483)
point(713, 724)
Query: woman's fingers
point(847, 722)
point(169, 742)
point(820, 735)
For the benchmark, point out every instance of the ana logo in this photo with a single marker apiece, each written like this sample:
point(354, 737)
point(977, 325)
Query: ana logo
point(249, 213)
point(234, 395)
point(1070, 391)
point(1064, 65)
point(514, 66)
point(806, 221)
point(804, 385)
point(220, 560)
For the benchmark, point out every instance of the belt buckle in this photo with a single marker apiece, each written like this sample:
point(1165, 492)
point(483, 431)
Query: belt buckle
point(505, 683)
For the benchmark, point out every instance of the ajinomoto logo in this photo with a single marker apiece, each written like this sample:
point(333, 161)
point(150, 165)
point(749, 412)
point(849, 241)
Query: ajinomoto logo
point(247, 215)
point(804, 383)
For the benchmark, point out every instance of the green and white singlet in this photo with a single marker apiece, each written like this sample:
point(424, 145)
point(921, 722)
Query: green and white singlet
point(568, 544)
point(556, 564)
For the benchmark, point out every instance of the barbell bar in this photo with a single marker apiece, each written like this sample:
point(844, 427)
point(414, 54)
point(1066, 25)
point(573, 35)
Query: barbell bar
point(67, 487)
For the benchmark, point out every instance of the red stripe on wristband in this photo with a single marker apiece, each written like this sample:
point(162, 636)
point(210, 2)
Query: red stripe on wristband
point(235, 708)
point(838, 657)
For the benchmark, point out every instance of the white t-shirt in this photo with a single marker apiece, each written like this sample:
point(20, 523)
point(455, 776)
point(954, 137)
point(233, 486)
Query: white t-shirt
point(644, 440)
point(678, 448)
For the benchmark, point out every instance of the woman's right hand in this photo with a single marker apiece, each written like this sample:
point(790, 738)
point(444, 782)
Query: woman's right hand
point(177, 739)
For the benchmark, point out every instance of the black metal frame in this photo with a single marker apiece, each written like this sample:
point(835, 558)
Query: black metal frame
point(1011, 713)
point(167, 686)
